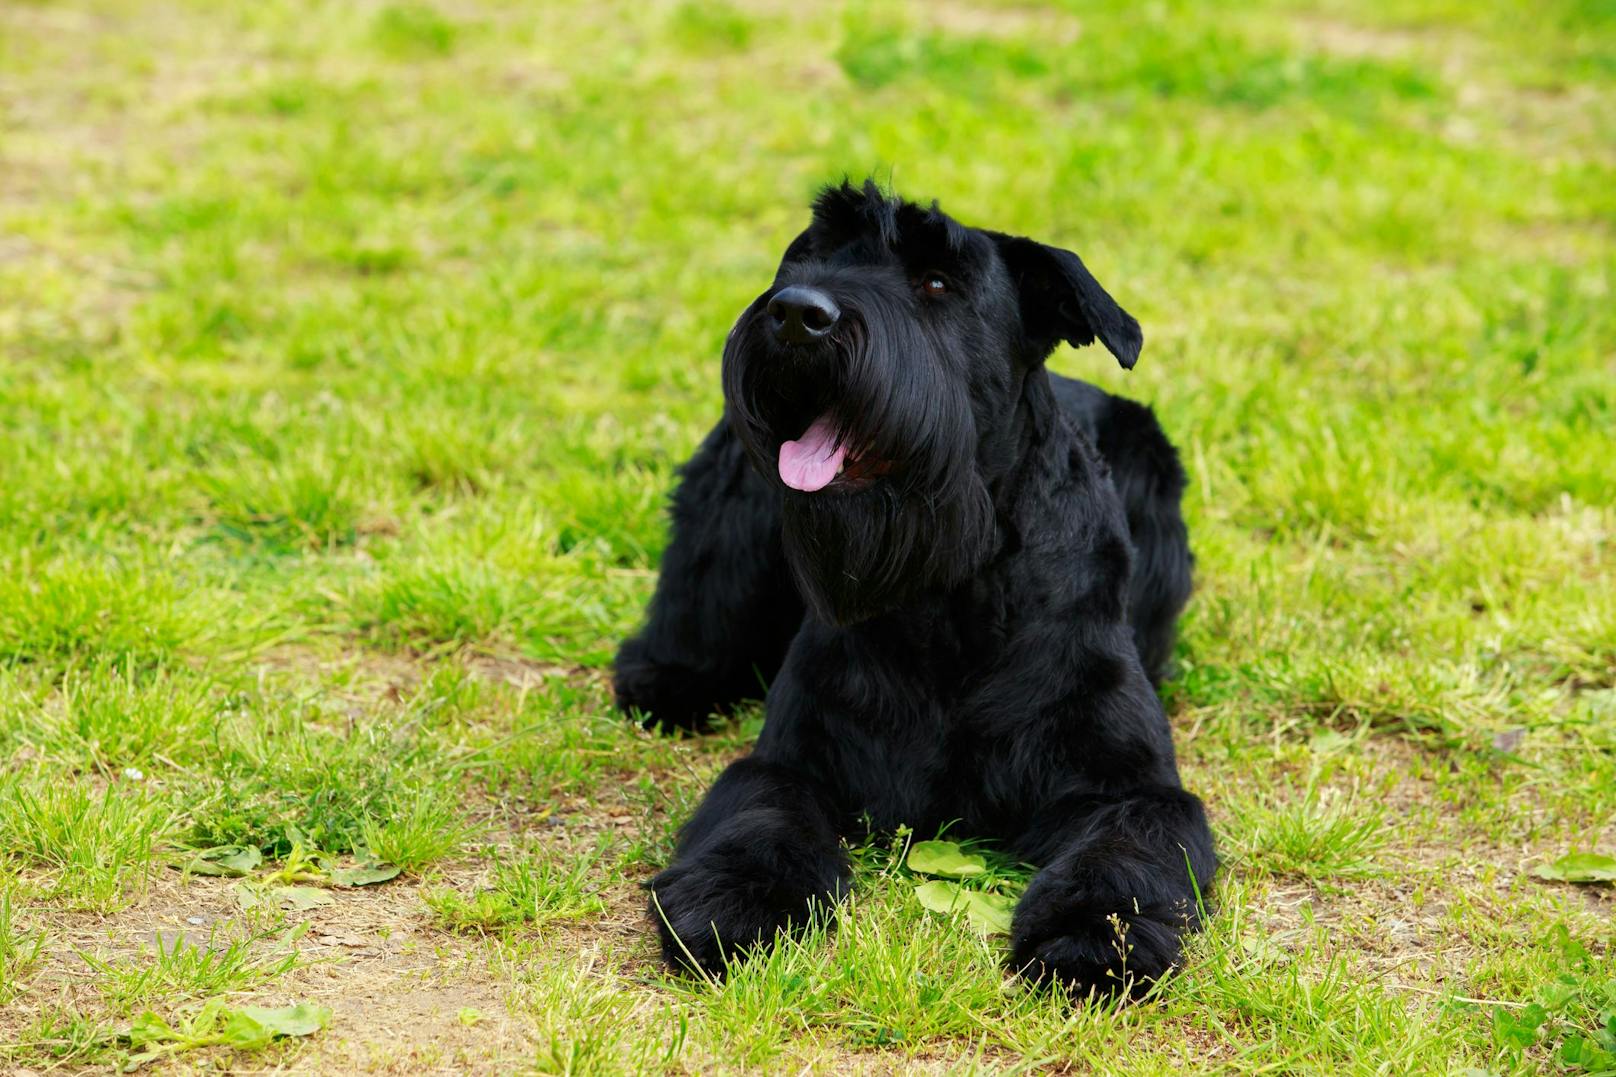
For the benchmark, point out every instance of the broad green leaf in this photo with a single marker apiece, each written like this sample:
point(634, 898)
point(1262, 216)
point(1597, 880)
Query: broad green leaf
point(1554, 996)
point(227, 860)
point(1585, 1054)
point(986, 912)
point(989, 913)
point(944, 858)
point(248, 1028)
point(1518, 1030)
point(301, 898)
point(303, 1019)
point(149, 1028)
point(244, 1032)
point(938, 896)
point(1327, 742)
point(251, 896)
point(368, 873)
point(212, 1011)
point(294, 898)
point(1579, 868)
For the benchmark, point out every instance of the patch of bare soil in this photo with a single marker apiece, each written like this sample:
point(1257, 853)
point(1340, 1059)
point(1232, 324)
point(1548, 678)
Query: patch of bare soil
point(1447, 883)
point(1351, 39)
point(402, 993)
point(405, 996)
point(1044, 24)
point(371, 675)
point(526, 672)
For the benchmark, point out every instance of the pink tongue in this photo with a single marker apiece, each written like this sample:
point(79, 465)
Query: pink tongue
point(812, 461)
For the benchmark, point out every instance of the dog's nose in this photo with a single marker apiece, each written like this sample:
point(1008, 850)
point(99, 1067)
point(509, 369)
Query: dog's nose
point(802, 314)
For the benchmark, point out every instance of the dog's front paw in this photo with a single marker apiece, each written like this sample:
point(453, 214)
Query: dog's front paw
point(1059, 936)
point(710, 912)
point(662, 696)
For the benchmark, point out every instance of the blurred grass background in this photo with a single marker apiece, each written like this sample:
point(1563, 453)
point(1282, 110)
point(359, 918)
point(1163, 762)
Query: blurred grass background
point(353, 346)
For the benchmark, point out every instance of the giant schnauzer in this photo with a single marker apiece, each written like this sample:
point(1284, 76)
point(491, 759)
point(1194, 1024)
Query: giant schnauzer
point(958, 576)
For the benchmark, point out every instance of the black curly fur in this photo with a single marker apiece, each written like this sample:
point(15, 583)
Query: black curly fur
point(965, 628)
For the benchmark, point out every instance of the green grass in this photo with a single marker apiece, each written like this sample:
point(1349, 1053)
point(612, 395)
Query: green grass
point(347, 353)
point(19, 950)
point(183, 969)
point(1316, 835)
point(527, 887)
point(93, 848)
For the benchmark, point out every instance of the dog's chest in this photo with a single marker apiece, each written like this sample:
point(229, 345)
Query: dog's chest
point(901, 735)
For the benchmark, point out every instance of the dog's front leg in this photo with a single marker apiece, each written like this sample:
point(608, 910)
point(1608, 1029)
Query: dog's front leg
point(725, 607)
point(1119, 889)
point(760, 855)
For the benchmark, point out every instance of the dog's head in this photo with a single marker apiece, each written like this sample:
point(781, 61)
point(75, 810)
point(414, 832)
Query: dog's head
point(876, 382)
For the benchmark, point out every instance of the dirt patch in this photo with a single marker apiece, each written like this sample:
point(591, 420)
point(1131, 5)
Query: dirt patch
point(371, 675)
point(405, 995)
point(1351, 39)
point(1046, 26)
point(526, 672)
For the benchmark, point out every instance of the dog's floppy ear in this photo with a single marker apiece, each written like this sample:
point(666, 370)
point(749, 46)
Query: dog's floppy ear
point(1061, 300)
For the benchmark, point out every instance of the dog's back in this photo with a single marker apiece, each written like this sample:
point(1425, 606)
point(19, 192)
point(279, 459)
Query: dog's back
point(1150, 480)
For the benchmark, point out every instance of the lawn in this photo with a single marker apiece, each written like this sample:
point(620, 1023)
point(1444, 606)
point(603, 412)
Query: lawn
point(347, 353)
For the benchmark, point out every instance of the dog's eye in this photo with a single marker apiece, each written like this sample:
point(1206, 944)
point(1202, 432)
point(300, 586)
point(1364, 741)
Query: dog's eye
point(933, 284)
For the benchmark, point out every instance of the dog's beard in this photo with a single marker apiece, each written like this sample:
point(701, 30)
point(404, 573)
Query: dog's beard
point(863, 553)
point(912, 513)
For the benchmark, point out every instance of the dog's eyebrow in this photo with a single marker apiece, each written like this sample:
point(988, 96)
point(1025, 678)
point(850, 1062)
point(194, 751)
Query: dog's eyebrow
point(882, 212)
point(846, 211)
point(953, 232)
point(930, 225)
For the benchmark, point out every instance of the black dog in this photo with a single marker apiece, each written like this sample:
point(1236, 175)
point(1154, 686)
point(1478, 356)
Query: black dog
point(990, 561)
